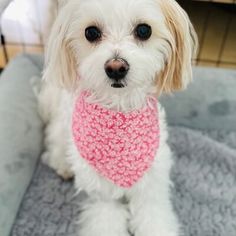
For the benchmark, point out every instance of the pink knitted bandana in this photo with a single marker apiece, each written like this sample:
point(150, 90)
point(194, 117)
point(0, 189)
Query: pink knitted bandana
point(120, 146)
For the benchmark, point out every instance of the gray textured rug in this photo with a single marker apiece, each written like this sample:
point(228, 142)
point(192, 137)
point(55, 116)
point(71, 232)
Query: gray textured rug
point(204, 194)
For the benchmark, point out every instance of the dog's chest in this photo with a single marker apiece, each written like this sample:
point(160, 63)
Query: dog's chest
point(119, 146)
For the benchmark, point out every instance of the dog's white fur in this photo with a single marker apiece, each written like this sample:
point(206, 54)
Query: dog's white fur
point(162, 63)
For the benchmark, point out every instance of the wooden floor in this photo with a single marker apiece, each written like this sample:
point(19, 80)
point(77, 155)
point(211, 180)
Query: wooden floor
point(14, 49)
point(214, 23)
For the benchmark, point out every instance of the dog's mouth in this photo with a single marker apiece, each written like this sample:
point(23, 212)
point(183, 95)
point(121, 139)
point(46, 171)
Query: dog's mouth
point(117, 85)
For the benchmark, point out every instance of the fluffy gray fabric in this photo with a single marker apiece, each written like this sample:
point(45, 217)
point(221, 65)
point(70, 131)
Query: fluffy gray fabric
point(204, 192)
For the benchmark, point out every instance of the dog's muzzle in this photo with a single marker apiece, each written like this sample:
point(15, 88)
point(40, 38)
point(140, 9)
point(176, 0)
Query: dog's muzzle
point(116, 69)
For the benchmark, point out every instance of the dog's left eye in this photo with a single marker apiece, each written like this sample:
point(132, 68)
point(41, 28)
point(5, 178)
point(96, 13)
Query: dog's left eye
point(143, 32)
point(93, 34)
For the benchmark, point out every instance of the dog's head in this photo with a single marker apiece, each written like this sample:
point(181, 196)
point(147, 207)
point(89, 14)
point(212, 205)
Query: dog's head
point(111, 46)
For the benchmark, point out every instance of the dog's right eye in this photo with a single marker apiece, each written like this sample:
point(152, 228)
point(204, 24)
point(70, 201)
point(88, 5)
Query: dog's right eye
point(93, 34)
point(143, 32)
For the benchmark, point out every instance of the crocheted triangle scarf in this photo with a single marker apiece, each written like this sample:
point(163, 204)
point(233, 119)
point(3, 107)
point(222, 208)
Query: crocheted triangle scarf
point(119, 146)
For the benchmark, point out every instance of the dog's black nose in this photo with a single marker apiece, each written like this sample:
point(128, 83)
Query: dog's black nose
point(117, 69)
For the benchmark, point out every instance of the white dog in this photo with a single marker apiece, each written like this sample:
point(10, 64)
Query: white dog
point(116, 57)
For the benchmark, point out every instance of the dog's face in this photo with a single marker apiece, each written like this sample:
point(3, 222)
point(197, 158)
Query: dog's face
point(108, 46)
point(119, 44)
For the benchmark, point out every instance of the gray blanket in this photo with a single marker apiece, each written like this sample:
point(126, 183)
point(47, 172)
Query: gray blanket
point(204, 191)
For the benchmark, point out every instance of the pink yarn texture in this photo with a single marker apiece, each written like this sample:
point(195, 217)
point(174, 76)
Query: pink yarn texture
point(120, 146)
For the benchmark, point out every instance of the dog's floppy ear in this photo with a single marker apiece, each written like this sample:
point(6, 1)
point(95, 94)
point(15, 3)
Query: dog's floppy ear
point(62, 3)
point(182, 47)
point(60, 63)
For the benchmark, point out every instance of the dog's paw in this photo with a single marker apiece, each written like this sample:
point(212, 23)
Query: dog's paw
point(106, 234)
point(65, 174)
point(60, 165)
point(159, 229)
point(161, 232)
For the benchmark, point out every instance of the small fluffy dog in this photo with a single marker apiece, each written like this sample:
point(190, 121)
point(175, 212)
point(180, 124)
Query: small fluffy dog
point(106, 64)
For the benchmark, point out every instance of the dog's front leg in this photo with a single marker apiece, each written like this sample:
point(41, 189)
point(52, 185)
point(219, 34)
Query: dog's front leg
point(100, 217)
point(152, 213)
